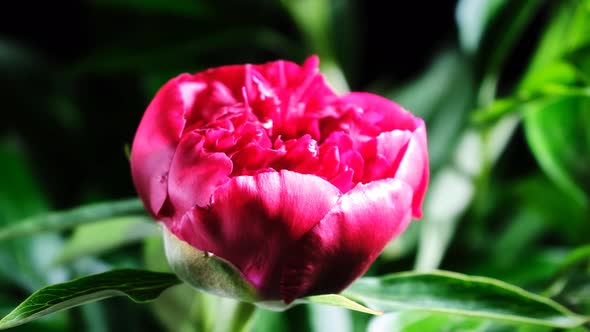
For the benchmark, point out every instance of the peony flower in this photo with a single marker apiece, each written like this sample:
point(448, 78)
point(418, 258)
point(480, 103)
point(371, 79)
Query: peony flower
point(293, 187)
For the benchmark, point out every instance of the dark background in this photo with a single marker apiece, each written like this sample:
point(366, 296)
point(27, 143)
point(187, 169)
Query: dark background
point(74, 111)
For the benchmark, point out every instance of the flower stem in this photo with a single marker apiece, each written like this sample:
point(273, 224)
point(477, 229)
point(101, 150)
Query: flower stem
point(241, 318)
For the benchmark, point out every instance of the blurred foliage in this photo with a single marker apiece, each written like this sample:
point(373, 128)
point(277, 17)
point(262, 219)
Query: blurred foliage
point(504, 87)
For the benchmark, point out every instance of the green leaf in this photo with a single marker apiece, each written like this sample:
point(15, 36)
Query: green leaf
point(558, 79)
point(499, 40)
point(138, 285)
point(20, 193)
point(576, 256)
point(26, 262)
point(558, 133)
point(453, 293)
point(106, 235)
point(496, 110)
point(312, 17)
point(555, 72)
point(339, 301)
point(566, 33)
point(55, 221)
point(553, 207)
point(416, 321)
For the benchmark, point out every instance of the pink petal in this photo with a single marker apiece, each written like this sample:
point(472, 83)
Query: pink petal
point(348, 239)
point(381, 111)
point(254, 220)
point(156, 139)
point(413, 162)
point(195, 174)
point(413, 168)
point(392, 145)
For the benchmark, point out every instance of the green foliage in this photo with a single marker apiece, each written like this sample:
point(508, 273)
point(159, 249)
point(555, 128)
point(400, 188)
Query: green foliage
point(139, 286)
point(451, 293)
point(339, 301)
point(506, 98)
point(56, 221)
point(106, 235)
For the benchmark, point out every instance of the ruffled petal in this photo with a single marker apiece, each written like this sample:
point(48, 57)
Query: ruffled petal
point(156, 140)
point(343, 245)
point(195, 174)
point(407, 155)
point(254, 220)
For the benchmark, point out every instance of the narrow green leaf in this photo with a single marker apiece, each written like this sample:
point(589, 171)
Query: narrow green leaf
point(576, 256)
point(554, 80)
point(138, 285)
point(102, 236)
point(55, 221)
point(312, 17)
point(453, 293)
point(496, 110)
point(26, 262)
point(473, 17)
point(339, 301)
point(499, 40)
point(566, 33)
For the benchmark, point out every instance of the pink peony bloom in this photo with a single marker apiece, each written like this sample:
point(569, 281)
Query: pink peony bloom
point(266, 167)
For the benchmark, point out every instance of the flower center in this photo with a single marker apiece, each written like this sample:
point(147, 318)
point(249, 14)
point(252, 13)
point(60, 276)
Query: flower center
point(336, 144)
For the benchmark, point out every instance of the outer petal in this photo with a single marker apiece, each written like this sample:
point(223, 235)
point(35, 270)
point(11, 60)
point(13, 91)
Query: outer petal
point(413, 164)
point(348, 239)
point(156, 140)
point(413, 168)
point(382, 111)
point(254, 220)
point(407, 155)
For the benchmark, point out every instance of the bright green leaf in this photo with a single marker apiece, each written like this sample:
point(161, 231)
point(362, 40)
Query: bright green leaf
point(556, 72)
point(497, 109)
point(138, 285)
point(96, 238)
point(417, 321)
point(578, 255)
point(566, 33)
point(55, 221)
point(453, 293)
